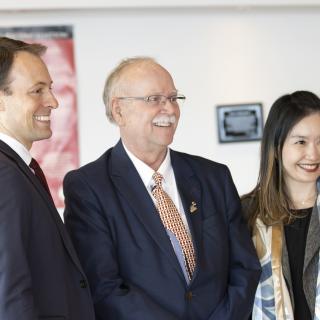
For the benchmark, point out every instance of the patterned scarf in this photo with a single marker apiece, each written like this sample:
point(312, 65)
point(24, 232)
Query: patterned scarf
point(272, 300)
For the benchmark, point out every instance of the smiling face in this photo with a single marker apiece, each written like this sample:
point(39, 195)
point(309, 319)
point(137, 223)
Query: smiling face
point(301, 153)
point(25, 110)
point(146, 129)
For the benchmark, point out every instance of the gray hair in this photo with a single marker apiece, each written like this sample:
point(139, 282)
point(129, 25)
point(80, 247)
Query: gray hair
point(113, 86)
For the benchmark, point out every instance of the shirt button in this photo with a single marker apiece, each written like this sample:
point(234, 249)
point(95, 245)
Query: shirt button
point(83, 283)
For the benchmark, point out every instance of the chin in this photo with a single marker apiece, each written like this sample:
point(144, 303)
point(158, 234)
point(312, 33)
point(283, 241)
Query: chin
point(44, 136)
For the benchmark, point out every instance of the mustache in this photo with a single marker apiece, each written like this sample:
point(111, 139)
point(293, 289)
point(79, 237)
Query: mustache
point(165, 118)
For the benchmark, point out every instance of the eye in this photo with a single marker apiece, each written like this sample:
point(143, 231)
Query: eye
point(177, 99)
point(173, 99)
point(154, 98)
point(301, 142)
point(38, 90)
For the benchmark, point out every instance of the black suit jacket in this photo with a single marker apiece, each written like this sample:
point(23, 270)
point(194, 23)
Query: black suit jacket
point(127, 255)
point(40, 275)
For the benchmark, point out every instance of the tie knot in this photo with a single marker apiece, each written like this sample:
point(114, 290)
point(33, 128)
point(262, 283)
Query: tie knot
point(157, 178)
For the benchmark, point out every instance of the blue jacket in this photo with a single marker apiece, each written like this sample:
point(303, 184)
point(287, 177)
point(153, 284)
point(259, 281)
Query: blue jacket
point(126, 253)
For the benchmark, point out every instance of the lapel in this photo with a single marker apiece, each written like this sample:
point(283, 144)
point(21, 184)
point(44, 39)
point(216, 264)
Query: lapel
point(286, 267)
point(129, 184)
point(190, 193)
point(310, 265)
point(14, 157)
point(313, 238)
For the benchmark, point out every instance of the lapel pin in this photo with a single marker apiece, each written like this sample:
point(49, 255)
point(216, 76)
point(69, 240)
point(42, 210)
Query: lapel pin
point(193, 207)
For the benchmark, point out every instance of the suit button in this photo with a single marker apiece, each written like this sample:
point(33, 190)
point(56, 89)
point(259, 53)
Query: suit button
point(189, 295)
point(83, 283)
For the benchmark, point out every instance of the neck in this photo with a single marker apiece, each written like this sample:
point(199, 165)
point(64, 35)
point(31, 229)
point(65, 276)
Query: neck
point(154, 161)
point(153, 158)
point(302, 198)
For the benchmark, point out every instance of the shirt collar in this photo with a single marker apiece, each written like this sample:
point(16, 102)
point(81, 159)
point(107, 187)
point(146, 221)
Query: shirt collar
point(18, 147)
point(146, 172)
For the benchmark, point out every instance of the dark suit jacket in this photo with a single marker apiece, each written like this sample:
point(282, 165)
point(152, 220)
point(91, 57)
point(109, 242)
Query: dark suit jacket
point(40, 275)
point(127, 255)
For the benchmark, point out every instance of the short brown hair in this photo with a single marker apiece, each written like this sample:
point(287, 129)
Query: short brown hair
point(8, 48)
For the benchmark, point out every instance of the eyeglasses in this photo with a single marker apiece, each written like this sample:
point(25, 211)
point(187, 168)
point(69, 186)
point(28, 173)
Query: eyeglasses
point(159, 99)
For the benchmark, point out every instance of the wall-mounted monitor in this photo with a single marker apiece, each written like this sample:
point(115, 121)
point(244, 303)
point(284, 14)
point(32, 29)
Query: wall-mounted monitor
point(240, 122)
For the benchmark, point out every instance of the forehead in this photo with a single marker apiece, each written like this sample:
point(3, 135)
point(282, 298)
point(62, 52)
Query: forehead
point(307, 126)
point(146, 78)
point(28, 68)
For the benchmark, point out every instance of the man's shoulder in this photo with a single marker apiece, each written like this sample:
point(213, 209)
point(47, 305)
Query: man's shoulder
point(92, 169)
point(198, 162)
point(8, 164)
point(100, 161)
point(12, 178)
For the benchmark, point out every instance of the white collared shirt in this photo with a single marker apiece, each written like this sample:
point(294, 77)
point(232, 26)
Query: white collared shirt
point(17, 146)
point(169, 182)
point(170, 186)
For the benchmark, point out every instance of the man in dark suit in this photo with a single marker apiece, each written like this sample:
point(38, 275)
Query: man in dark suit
point(40, 274)
point(159, 232)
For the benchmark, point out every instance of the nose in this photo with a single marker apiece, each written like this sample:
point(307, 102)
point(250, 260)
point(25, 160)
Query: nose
point(52, 101)
point(313, 151)
point(167, 105)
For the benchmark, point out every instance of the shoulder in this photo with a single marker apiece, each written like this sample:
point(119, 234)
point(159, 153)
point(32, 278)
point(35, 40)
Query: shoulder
point(92, 169)
point(199, 163)
point(213, 178)
point(89, 178)
point(11, 175)
point(207, 171)
point(15, 191)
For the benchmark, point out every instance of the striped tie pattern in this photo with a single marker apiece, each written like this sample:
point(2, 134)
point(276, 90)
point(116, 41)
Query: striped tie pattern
point(172, 221)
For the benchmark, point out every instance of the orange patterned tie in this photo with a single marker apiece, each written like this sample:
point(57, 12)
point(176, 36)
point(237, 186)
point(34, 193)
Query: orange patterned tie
point(172, 221)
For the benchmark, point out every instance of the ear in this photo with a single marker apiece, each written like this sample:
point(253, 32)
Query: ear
point(116, 110)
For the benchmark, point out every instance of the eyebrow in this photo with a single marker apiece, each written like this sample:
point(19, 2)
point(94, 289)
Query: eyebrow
point(42, 83)
point(295, 137)
point(161, 94)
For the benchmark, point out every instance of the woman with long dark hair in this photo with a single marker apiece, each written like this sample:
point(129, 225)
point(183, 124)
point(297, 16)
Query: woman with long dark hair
point(282, 211)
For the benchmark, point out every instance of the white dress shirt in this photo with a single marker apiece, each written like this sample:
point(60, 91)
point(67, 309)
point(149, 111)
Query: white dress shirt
point(170, 187)
point(18, 147)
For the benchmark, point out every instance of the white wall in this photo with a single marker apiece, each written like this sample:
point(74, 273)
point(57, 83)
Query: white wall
point(94, 4)
point(217, 56)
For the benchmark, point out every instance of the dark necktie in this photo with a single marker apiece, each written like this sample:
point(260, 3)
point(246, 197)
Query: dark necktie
point(39, 174)
point(172, 221)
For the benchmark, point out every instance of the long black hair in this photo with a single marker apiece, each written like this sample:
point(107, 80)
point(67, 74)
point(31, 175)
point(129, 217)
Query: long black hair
point(269, 199)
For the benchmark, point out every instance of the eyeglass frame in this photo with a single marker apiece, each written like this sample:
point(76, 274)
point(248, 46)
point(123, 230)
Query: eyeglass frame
point(146, 99)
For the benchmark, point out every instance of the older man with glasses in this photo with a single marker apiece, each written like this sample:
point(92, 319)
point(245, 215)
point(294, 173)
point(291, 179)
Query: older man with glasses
point(159, 232)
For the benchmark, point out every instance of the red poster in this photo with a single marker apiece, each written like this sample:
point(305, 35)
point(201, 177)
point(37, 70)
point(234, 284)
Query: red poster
point(59, 154)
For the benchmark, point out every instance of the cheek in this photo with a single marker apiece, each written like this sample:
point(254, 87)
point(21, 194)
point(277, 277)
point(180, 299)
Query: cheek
point(178, 113)
point(286, 161)
point(290, 160)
